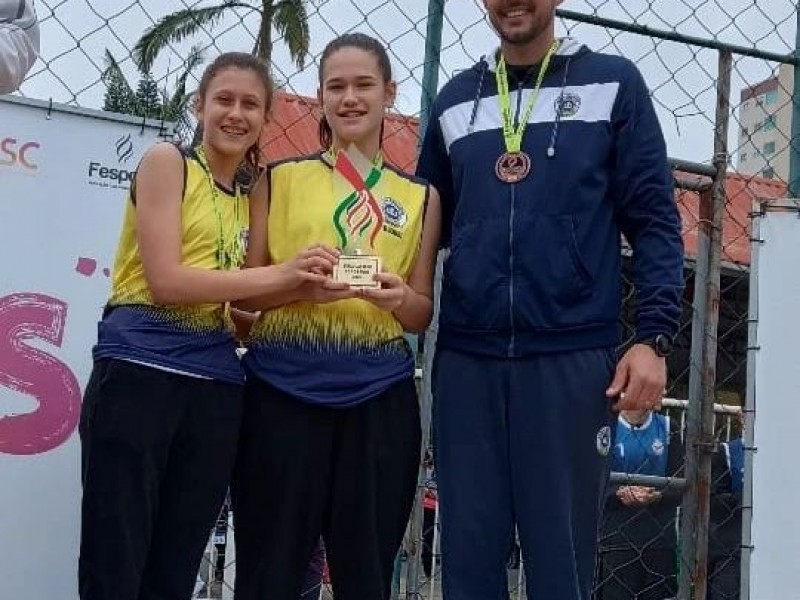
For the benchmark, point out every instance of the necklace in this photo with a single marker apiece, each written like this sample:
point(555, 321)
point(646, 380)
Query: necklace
point(230, 245)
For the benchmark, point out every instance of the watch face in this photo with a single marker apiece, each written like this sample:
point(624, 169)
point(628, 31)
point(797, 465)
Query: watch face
point(663, 345)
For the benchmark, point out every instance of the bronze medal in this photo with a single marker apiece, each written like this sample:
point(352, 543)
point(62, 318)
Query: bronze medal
point(512, 167)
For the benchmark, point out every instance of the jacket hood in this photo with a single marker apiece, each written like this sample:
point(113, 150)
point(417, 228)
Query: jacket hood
point(567, 49)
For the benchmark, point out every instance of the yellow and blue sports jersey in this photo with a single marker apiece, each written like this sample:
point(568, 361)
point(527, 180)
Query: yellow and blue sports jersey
point(341, 353)
point(199, 339)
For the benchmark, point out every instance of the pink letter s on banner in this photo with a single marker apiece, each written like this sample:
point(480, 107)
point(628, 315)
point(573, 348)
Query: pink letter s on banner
point(30, 371)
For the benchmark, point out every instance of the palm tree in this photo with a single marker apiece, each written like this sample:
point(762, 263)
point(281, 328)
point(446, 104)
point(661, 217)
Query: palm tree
point(146, 100)
point(288, 17)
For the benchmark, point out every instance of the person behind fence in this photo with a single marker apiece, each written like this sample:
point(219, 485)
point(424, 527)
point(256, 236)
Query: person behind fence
point(429, 525)
point(725, 526)
point(638, 539)
point(162, 408)
point(331, 441)
point(19, 42)
point(314, 575)
point(544, 152)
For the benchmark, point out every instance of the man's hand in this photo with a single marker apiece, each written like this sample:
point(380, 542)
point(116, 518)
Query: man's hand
point(625, 495)
point(639, 379)
point(647, 495)
point(636, 495)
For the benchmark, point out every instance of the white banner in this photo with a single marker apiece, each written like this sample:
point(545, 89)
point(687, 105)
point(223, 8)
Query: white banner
point(64, 175)
point(774, 567)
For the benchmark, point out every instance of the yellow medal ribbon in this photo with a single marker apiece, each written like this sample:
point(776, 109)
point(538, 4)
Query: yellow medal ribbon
point(513, 135)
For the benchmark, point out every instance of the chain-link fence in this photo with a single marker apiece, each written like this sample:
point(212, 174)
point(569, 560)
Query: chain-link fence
point(722, 76)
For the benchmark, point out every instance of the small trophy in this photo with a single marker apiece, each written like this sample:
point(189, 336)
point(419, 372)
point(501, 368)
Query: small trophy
point(358, 218)
point(357, 270)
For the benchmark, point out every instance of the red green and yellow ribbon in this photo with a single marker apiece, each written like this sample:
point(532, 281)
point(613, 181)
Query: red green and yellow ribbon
point(359, 213)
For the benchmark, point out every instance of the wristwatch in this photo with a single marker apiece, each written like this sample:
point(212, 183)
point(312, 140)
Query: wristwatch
point(661, 344)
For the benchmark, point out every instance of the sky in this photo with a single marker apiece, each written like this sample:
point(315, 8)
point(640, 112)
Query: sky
point(76, 33)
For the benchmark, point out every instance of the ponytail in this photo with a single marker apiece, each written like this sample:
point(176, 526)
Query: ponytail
point(325, 133)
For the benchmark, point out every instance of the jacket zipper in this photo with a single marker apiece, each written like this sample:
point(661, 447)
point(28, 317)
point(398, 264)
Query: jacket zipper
point(512, 342)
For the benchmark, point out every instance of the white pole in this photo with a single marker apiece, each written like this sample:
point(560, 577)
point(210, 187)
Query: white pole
point(434, 551)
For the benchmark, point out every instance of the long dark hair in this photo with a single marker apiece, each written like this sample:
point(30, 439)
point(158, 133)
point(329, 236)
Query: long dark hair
point(351, 40)
point(240, 60)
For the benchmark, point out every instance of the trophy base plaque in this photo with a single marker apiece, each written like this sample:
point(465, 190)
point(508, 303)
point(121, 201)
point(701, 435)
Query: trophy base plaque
point(358, 271)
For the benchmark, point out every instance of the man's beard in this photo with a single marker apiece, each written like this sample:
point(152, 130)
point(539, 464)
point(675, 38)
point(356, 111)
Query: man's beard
point(538, 26)
point(523, 37)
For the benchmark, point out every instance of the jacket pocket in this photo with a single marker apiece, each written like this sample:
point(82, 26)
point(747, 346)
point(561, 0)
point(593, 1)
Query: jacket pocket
point(475, 278)
point(553, 285)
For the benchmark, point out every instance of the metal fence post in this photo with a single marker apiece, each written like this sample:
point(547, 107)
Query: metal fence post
point(430, 85)
point(700, 443)
point(794, 156)
point(433, 55)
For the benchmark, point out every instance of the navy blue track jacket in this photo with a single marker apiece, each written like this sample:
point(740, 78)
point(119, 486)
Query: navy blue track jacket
point(535, 266)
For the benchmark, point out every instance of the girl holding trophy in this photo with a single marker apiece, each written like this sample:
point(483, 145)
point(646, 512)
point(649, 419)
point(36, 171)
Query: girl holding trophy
point(162, 409)
point(330, 442)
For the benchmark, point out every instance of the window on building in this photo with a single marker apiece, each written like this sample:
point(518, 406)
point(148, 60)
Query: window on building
point(770, 123)
point(771, 97)
point(743, 157)
point(768, 173)
point(769, 148)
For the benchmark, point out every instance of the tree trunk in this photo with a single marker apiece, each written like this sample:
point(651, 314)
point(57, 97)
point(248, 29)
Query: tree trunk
point(263, 47)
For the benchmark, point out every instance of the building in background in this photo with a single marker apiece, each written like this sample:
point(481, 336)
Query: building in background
point(765, 126)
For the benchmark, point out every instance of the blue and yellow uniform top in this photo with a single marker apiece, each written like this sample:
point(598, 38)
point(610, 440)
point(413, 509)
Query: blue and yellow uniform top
point(195, 340)
point(345, 352)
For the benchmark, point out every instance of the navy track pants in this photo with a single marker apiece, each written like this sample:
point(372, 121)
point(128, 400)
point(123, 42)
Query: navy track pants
point(521, 442)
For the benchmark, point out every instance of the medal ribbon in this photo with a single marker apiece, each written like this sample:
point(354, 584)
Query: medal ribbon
point(359, 212)
point(512, 135)
point(230, 247)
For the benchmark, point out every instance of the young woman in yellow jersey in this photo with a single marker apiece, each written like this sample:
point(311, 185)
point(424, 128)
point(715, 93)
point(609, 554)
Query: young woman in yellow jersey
point(162, 409)
point(330, 442)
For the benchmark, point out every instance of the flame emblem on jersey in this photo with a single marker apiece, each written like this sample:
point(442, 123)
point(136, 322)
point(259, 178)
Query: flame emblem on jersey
point(359, 217)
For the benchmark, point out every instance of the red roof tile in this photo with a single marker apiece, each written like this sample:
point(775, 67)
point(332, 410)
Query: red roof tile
point(293, 131)
point(741, 192)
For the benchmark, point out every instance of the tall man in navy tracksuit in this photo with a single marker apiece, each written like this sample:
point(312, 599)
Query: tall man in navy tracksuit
point(536, 189)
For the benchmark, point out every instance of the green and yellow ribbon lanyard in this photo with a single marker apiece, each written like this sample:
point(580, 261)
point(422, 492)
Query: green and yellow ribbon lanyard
point(514, 164)
point(230, 243)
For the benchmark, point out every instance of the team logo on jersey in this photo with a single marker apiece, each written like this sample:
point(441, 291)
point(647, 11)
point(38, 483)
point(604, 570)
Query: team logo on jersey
point(657, 447)
point(603, 440)
point(394, 213)
point(394, 217)
point(568, 105)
